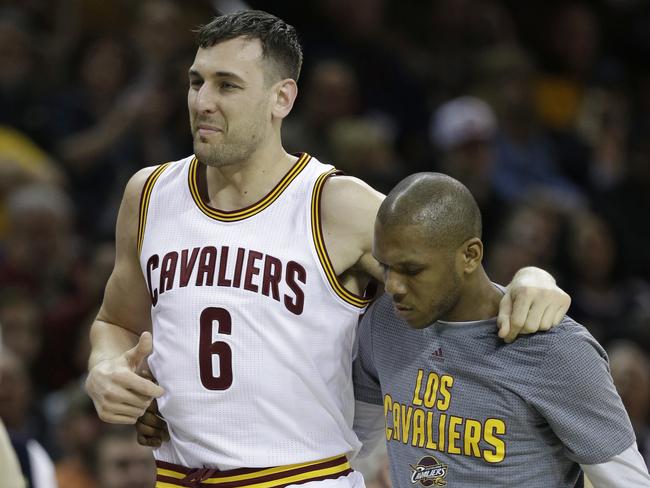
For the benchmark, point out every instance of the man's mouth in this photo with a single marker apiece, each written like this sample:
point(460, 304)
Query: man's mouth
point(205, 130)
point(402, 309)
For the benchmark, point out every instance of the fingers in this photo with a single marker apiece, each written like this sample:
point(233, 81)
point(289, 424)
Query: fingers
point(147, 430)
point(151, 427)
point(503, 319)
point(120, 396)
point(534, 318)
point(559, 315)
point(122, 409)
point(149, 420)
point(117, 413)
point(138, 385)
point(532, 309)
point(116, 418)
point(521, 305)
point(548, 319)
point(154, 442)
point(564, 302)
point(140, 351)
point(117, 394)
point(144, 372)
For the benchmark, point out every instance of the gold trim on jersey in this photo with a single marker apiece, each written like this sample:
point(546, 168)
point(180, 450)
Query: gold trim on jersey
point(172, 476)
point(319, 242)
point(145, 196)
point(244, 213)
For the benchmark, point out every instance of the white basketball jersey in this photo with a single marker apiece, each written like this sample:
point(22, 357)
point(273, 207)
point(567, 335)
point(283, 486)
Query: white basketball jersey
point(253, 334)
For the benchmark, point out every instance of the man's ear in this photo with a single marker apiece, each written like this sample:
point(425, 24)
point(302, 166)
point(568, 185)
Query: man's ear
point(471, 254)
point(285, 93)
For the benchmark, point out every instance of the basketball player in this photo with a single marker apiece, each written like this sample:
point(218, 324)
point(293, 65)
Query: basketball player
point(251, 264)
point(456, 405)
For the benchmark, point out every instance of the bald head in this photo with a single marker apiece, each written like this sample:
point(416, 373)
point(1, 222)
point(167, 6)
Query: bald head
point(441, 206)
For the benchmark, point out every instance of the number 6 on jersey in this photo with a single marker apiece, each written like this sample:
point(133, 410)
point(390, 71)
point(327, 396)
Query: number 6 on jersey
point(207, 349)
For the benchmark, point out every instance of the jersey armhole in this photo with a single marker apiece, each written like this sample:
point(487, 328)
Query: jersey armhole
point(145, 196)
point(319, 243)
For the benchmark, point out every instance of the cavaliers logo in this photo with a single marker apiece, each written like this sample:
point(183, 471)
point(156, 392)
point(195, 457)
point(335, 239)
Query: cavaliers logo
point(429, 472)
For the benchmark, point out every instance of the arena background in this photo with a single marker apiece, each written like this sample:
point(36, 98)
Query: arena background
point(542, 108)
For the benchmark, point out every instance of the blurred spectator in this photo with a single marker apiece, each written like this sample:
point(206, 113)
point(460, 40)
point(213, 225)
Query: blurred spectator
point(331, 94)
point(16, 397)
point(10, 467)
point(462, 120)
point(120, 462)
point(363, 149)
point(162, 34)
point(630, 368)
point(92, 124)
point(21, 321)
point(78, 429)
point(463, 131)
point(22, 162)
point(600, 300)
point(525, 158)
point(362, 34)
point(21, 90)
point(66, 356)
point(529, 236)
point(603, 124)
point(15, 401)
point(627, 203)
point(573, 48)
point(39, 249)
point(41, 255)
point(12, 475)
point(456, 31)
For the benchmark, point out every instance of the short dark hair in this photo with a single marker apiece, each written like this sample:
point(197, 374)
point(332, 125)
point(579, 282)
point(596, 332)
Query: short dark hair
point(442, 206)
point(279, 40)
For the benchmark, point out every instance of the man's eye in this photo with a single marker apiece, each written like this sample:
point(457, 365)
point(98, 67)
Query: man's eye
point(412, 271)
point(228, 86)
point(196, 83)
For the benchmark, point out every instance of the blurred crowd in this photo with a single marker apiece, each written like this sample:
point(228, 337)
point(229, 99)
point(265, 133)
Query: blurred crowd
point(542, 108)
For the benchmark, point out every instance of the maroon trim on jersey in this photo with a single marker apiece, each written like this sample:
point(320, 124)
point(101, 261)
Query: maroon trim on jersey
point(197, 185)
point(215, 474)
point(321, 249)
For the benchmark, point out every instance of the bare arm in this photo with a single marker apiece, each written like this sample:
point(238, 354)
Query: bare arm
point(369, 425)
point(119, 344)
point(349, 207)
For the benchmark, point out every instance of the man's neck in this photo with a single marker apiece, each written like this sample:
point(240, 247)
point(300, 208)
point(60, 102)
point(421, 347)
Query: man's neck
point(479, 301)
point(242, 184)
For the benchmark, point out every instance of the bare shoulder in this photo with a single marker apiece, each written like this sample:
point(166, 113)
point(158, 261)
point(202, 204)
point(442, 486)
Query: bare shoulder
point(348, 208)
point(350, 202)
point(136, 183)
point(130, 206)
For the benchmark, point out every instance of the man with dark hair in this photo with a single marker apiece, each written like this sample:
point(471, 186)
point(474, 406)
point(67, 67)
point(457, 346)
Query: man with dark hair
point(120, 462)
point(250, 264)
point(280, 45)
point(453, 402)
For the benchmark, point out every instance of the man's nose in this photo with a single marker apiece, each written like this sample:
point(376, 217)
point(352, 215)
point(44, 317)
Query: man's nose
point(394, 284)
point(207, 99)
